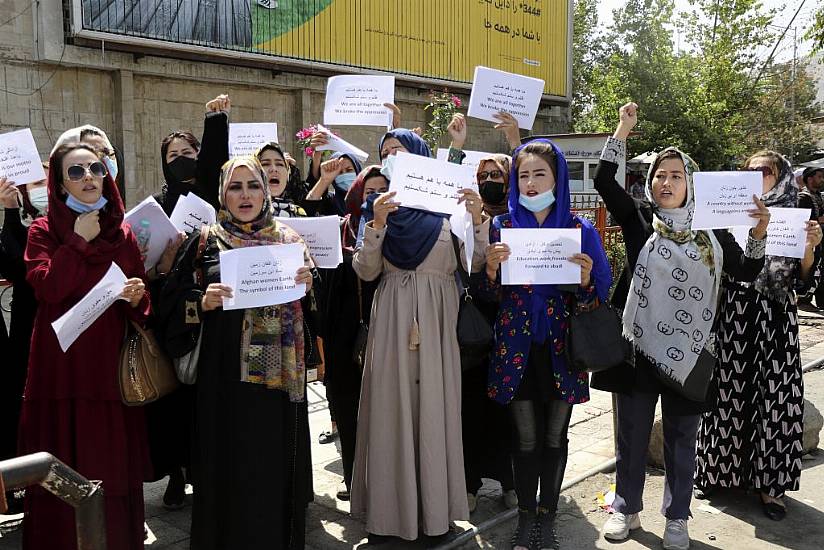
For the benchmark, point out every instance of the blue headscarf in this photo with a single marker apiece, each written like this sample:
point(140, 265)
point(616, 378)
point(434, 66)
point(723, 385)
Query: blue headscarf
point(411, 141)
point(559, 216)
point(410, 233)
point(339, 198)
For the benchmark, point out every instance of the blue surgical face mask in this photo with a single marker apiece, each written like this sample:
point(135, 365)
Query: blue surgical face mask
point(39, 198)
point(387, 166)
point(82, 207)
point(111, 166)
point(345, 181)
point(538, 202)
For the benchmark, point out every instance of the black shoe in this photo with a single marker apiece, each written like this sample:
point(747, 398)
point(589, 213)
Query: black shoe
point(343, 495)
point(774, 511)
point(378, 540)
point(175, 493)
point(327, 437)
point(524, 534)
point(547, 539)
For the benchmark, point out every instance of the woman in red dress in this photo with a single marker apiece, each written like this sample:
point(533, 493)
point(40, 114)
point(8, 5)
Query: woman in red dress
point(71, 405)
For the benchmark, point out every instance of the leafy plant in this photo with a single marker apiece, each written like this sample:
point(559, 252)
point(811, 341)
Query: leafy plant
point(442, 106)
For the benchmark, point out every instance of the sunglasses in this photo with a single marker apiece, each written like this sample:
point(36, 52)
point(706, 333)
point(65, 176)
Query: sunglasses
point(494, 174)
point(77, 172)
point(765, 170)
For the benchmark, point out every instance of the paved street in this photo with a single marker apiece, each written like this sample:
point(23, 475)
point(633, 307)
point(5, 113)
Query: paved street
point(733, 519)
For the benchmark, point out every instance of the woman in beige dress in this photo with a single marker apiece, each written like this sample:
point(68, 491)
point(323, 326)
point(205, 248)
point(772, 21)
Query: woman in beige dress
point(409, 475)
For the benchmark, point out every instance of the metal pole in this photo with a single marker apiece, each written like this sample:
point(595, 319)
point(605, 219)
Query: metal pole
point(86, 497)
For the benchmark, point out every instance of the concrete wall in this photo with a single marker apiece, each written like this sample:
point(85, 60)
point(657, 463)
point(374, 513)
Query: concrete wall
point(50, 86)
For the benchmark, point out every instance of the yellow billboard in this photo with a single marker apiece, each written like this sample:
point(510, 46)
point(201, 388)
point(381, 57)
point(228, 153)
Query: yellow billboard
point(428, 39)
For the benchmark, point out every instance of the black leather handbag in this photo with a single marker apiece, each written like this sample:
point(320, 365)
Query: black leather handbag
point(361, 338)
point(594, 340)
point(475, 335)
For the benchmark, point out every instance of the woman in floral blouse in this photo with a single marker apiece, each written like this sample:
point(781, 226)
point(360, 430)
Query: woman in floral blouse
point(529, 372)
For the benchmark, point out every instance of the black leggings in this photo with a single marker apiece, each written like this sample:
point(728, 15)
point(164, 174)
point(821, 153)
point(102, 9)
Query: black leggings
point(540, 450)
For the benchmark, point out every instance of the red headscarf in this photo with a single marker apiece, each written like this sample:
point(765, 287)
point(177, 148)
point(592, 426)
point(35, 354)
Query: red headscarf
point(61, 218)
point(353, 202)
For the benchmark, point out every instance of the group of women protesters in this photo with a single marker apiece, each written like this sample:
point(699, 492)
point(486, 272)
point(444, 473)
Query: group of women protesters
point(713, 328)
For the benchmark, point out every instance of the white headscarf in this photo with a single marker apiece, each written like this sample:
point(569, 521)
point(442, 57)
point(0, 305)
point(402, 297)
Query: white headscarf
point(673, 296)
point(73, 136)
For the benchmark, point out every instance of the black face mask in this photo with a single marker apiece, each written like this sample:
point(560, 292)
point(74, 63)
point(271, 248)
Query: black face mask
point(493, 192)
point(183, 168)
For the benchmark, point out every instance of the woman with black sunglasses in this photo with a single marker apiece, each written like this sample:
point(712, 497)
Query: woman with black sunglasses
point(71, 405)
point(753, 438)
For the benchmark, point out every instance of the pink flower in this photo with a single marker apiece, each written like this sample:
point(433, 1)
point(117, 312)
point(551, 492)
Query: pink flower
point(309, 151)
point(456, 101)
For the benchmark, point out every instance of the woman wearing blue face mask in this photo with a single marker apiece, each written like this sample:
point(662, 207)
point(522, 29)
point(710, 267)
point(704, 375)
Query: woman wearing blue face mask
point(72, 406)
point(22, 205)
point(529, 372)
point(408, 473)
point(328, 196)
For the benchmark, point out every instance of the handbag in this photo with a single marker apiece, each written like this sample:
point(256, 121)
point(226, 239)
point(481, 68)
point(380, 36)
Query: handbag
point(594, 339)
point(475, 335)
point(146, 373)
point(362, 336)
point(186, 365)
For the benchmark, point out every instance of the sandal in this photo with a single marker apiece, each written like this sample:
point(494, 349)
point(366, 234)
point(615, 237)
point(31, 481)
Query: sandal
point(327, 437)
point(525, 531)
point(773, 509)
point(547, 537)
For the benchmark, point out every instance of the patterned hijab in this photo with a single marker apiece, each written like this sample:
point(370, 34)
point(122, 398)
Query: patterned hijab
point(776, 280)
point(673, 296)
point(271, 342)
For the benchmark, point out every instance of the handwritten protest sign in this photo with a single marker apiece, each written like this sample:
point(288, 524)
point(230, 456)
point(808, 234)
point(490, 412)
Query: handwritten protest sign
point(540, 256)
point(473, 158)
point(494, 91)
point(722, 199)
point(786, 234)
point(262, 275)
point(19, 160)
point(322, 237)
point(74, 322)
point(152, 228)
point(358, 100)
point(247, 137)
point(191, 212)
point(430, 184)
point(336, 143)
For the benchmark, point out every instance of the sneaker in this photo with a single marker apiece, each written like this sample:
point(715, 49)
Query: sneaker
point(619, 525)
point(327, 437)
point(472, 501)
point(676, 536)
point(510, 499)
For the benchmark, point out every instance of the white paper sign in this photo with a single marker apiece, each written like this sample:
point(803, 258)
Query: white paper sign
point(473, 158)
point(191, 212)
point(429, 184)
point(541, 256)
point(494, 91)
point(19, 160)
point(335, 143)
point(152, 228)
point(358, 100)
point(262, 275)
point(322, 237)
point(723, 199)
point(786, 234)
point(247, 137)
point(85, 312)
